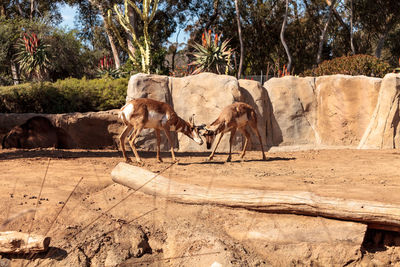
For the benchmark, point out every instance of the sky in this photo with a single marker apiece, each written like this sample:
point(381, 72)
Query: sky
point(68, 13)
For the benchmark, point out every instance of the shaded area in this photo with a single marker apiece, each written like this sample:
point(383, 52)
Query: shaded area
point(8, 154)
point(52, 253)
point(376, 240)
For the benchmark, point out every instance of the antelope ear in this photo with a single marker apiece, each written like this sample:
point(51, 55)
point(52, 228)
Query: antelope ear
point(191, 120)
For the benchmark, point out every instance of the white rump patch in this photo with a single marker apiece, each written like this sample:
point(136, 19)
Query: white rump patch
point(126, 112)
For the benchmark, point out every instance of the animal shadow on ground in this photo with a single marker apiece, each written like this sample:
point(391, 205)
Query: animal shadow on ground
point(52, 253)
point(206, 154)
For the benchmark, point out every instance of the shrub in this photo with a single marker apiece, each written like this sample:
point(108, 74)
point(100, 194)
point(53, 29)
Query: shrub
point(211, 55)
point(69, 95)
point(351, 65)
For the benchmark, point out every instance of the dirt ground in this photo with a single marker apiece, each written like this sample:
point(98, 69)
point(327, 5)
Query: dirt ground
point(94, 222)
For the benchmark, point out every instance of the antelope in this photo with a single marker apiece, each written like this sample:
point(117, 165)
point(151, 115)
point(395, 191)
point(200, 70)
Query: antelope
point(142, 113)
point(233, 117)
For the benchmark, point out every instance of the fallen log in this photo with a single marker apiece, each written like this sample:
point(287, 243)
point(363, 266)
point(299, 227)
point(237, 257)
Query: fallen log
point(17, 242)
point(375, 214)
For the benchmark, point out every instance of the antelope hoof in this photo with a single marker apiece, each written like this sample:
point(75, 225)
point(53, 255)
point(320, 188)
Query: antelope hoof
point(128, 160)
point(209, 158)
point(159, 160)
point(228, 159)
point(175, 160)
point(140, 162)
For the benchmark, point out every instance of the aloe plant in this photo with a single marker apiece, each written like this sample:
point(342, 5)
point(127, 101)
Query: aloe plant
point(107, 68)
point(33, 56)
point(213, 55)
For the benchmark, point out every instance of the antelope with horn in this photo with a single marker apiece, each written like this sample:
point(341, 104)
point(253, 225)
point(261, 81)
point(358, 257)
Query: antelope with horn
point(143, 113)
point(233, 117)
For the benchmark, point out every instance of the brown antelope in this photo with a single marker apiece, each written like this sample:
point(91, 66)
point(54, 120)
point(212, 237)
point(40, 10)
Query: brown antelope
point(142, 113)
point(233, 117)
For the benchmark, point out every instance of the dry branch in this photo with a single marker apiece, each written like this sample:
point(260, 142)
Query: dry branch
point(376, 214)
point(17, 242)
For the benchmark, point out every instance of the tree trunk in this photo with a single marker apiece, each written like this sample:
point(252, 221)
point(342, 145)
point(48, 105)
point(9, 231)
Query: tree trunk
point(32, 9)
point(214, 16)
point(132, 20)
point(19, 8)
point(112, 44)
point(379, 47)
point(323, 33)
point(240, 39)
point(2, 10)
point(289, 65)
point(375, 214)
point(14, 72)
point(339, 18)
point(353, 51)
point(109, 33)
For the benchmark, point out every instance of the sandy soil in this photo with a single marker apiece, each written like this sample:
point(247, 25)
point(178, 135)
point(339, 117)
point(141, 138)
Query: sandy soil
point(94, 222)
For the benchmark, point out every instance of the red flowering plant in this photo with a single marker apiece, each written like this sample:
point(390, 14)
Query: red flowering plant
point(212, 55)
point(32, 56)
point(107, 68)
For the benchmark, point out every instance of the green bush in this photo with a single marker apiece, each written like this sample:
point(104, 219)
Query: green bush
point(69, 95)
point(351, 65)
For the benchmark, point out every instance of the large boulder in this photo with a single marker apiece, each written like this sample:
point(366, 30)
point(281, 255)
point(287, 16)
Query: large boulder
point(256, 96)
point(149, 86)
point(155, 87)
point(293, 117)
point(204, 95)
point(345, 106)
point(383, 128)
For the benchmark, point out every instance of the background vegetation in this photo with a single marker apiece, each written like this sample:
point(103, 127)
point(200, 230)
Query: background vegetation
point(321, 37)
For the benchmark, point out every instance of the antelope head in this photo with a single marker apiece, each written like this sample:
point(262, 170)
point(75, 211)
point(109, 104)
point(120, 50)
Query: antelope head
point(195, 131)
point(209, 135)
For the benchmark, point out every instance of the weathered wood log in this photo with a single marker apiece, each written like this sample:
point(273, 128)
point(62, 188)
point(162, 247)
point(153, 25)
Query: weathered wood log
point(17, 242)
point(375, 214)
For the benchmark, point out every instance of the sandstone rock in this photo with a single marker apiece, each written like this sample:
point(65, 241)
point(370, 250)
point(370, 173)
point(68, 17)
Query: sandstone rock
point(293, 116)
point(256, 96)
point(383, 130)
point(345, 106)
point(204, 95)
point(149, 86)
point(155, 87)
point(80, 130)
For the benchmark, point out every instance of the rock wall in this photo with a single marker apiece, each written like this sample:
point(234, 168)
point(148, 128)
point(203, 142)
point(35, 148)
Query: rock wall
point(383, 128)
point(203, 95)
point(90, 130)
point(293, 112)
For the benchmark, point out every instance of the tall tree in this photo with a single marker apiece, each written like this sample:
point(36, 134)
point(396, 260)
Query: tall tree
point(323, 32)
point(146, 14)
point(353, 50)
point(282, 35)
point(240, 39)
point(102, 7)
